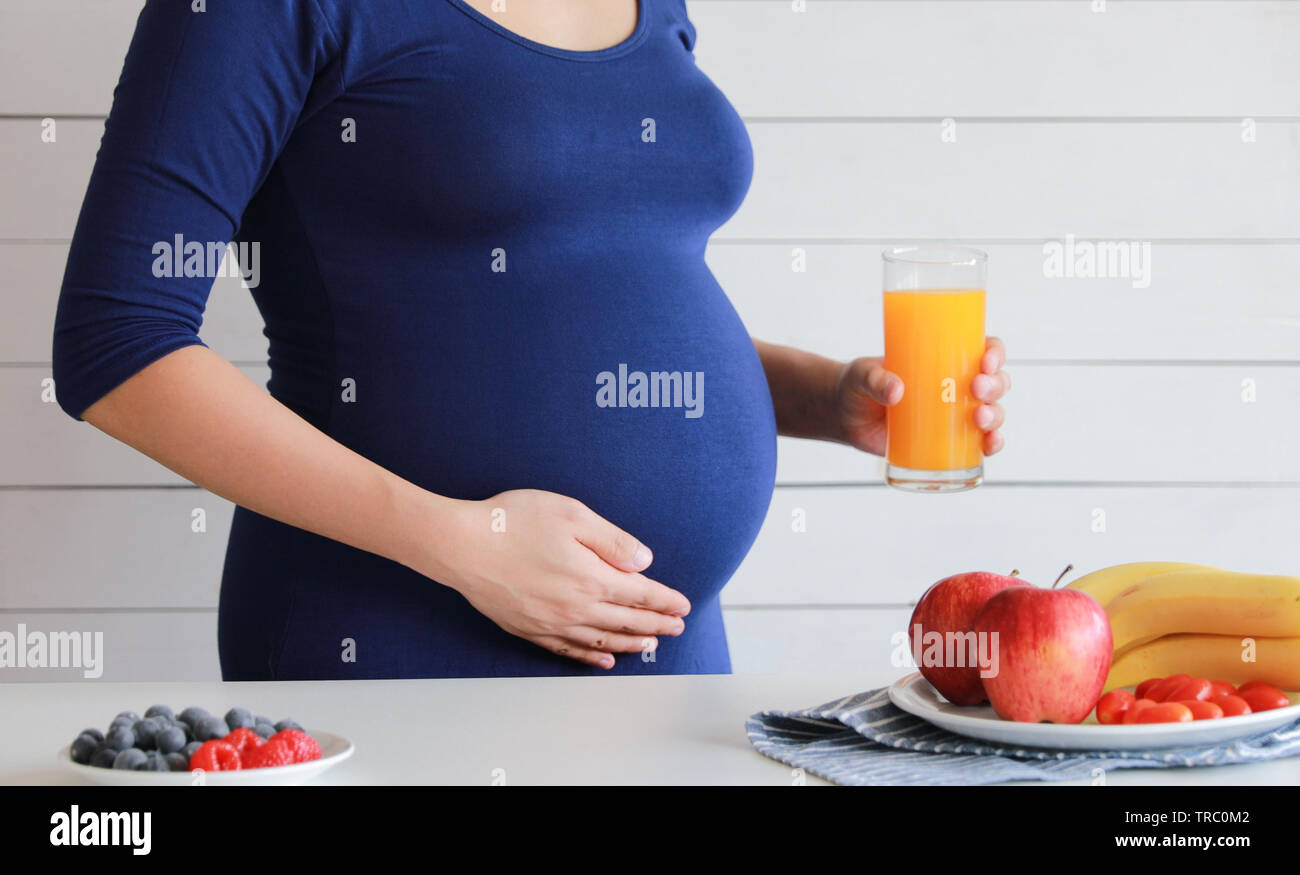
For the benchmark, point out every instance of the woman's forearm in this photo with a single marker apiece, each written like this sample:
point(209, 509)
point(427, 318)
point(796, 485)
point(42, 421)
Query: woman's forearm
point(803, 386)
point(200, 416)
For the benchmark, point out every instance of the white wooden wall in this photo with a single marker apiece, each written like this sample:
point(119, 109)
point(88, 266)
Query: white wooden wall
point(1128, 406)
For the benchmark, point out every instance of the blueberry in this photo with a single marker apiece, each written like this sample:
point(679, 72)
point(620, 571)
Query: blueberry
point(193, 714)
point(189, 749)
point(185, 728)
point(127, 715)
point(239, 718)
point(131, 758)
point(153, 762)
point(260, 719)
point(286, 723)
point(121, 721)
point(93, 733)
point(169, 740)
point(83, 748)
point(160, 711)
point(146, 733)
point(103, 757)
point(265, 730)
point(209, 728)
point(120, 737)
point(177, 762)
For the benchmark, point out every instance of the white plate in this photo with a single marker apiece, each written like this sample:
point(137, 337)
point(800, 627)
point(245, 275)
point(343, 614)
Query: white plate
point(334, 750)
point(915, 696)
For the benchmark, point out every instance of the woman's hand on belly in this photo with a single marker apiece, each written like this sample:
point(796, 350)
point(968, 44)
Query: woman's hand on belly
point(546, 568)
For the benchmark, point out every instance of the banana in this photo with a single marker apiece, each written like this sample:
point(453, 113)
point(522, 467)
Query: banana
point(1217, 657)
point(1106, 583)
point(1211, 601)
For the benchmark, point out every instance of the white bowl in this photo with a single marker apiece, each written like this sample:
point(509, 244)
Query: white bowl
point(334, 750)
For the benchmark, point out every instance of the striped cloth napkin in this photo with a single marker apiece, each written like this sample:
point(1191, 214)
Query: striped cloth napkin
point(866, 739)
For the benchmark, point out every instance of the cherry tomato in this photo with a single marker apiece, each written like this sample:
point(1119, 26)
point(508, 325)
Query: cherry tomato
point(1263, 697)
point(1112, 706)
point(1251, 685)
point(1257, 685)
point(1233, 706)
point(1146, 685)
point(1196, 688)
point(1221, 688)
point(1131, 715)
point(1202, 710)
point(1165, 712)
point(1160, 692)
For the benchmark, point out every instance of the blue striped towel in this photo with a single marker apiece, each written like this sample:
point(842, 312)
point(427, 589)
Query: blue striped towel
point(867, 739)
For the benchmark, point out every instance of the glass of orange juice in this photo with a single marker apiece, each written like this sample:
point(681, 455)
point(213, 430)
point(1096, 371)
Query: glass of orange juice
point(934, 340)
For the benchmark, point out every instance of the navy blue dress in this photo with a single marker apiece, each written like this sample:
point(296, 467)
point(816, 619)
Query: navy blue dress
point(481, 265)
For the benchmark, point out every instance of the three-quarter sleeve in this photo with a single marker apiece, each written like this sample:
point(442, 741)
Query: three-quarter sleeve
point(204, 106)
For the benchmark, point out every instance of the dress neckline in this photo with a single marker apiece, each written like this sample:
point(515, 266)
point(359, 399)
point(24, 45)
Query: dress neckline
point(614, 51)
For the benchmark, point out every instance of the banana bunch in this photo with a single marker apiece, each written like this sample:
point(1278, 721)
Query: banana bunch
point(1175, 617)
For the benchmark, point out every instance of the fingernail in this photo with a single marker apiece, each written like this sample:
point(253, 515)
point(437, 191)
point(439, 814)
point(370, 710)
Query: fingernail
point(679, 628)
point(607, 661)
point(983, 416)
point(642, 557)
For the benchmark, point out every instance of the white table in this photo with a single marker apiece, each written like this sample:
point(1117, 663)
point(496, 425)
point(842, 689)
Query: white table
point(599, 730)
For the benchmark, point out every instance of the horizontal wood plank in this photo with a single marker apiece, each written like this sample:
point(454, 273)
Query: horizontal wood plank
point(32, 273)
point(853, 57)
point(63, 57)
point(1070, 422)
point(844, 640)
point(1124, 182)
point(153, 646)
point(48, 447)
point(1230, 303)
point(1117, 423)
point(819, 547)
point(112, 548)
point(875, 546)
point(897, 180)
point(908, 58)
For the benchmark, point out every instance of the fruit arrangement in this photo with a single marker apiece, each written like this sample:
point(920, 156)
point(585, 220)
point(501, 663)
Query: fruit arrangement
point(163, 741)
point(1046, 654)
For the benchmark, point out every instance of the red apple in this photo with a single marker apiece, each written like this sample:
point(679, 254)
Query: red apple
point(949, 608)
point(1053, 649)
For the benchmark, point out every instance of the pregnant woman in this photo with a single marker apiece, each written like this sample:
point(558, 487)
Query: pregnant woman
point(514, 427)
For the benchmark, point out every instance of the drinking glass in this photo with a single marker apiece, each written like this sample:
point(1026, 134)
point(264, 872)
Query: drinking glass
point(934, 340)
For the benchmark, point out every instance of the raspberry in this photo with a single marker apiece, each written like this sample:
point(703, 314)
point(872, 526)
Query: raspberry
point(216, 756)
point(243, 740)
point(271, 754)
point(304, 747)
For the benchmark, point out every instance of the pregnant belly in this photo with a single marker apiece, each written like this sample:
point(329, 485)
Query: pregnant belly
point(641, 397)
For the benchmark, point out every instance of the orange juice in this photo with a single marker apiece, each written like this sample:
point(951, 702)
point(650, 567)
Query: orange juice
point(934, 340)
